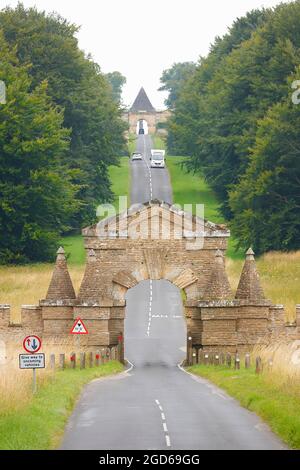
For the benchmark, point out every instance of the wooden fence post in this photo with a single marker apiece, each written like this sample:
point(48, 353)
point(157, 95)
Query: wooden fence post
point(270, 363)
point(194, 357)
point(82, 360)
point(222, 359)
point(237, 362)
point(62, 361)
point(102, 356)
point(73, 360)
point(115, 353)
point(200, 357)
point(121, 348)
point(91, 359)
point(189, 350)
point(52, 361)
point(228, 359)
point(107, 353)
point(258, 365)
point(217, 359)
point(247, 361)
point(97, 359)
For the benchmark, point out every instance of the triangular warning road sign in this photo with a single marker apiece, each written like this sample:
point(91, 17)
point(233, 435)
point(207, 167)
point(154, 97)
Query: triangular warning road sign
point(79, 328)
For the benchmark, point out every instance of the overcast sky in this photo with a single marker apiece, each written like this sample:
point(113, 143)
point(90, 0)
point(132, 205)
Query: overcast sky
point(142, 38)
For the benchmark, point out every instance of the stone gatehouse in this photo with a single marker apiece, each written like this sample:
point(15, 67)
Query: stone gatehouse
point(156, 241)
point(142, 110)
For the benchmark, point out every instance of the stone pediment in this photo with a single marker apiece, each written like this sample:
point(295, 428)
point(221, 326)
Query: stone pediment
point(155, 220)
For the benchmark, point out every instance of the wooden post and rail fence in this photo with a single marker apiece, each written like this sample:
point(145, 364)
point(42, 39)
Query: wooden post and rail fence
point(196, 355)
point(87, 359)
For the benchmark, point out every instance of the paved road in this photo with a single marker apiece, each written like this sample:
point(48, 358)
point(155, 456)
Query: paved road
point(156, 405)
point(148, 183)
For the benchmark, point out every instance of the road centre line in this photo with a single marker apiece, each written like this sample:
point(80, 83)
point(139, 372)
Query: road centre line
point(165, 427)
point(149, 170)
point(150, 310)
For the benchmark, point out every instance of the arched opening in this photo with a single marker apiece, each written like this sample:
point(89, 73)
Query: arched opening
point(142, 127)
point(155, 326)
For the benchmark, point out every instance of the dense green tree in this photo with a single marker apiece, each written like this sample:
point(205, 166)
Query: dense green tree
point(37, 198)
point(75, 83)
point(232, 118)
point(190, 123)
point(117, 81)
point(266, 202)
point(252, 78)
point(173, 78)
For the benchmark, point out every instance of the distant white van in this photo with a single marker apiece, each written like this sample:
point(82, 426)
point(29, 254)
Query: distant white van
point(157, 158)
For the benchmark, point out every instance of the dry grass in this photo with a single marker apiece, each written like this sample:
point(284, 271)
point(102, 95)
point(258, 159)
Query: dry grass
point(280, 278)
point(16, 387)
point(16, 384)
point(281, 365)
point(26, 285)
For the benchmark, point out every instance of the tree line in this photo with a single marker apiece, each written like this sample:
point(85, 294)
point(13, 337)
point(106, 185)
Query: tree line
point(237, 117)
point(60, 130)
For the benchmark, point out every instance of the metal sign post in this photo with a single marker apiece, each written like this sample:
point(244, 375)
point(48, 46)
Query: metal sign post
point(32, 361)
point(33, 381)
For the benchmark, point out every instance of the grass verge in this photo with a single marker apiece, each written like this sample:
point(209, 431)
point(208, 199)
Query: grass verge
point(120, 180)
point(277, 404)
point(39, 425)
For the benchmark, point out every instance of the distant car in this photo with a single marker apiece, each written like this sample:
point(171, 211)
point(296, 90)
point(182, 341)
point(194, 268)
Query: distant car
point(141, 131)
point(136, 156)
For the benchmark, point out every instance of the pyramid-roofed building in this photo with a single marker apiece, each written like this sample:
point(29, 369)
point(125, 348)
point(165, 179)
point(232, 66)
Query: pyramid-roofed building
point(143, 115)
point(142, 104)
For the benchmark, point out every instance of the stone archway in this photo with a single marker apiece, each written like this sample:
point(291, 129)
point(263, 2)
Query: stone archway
point(158, 241)
point(154, 241)
point(125, 280)
point(142, 109)
point(142, 127)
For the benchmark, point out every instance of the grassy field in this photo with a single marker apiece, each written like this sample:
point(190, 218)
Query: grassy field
point(120, 178)
point(191, 189)
point(21, 285)
point(273, 395)
point(38, 422)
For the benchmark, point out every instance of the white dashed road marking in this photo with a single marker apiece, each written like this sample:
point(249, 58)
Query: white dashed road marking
point(150, 309)
point(165, 427)
point(149, 170)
